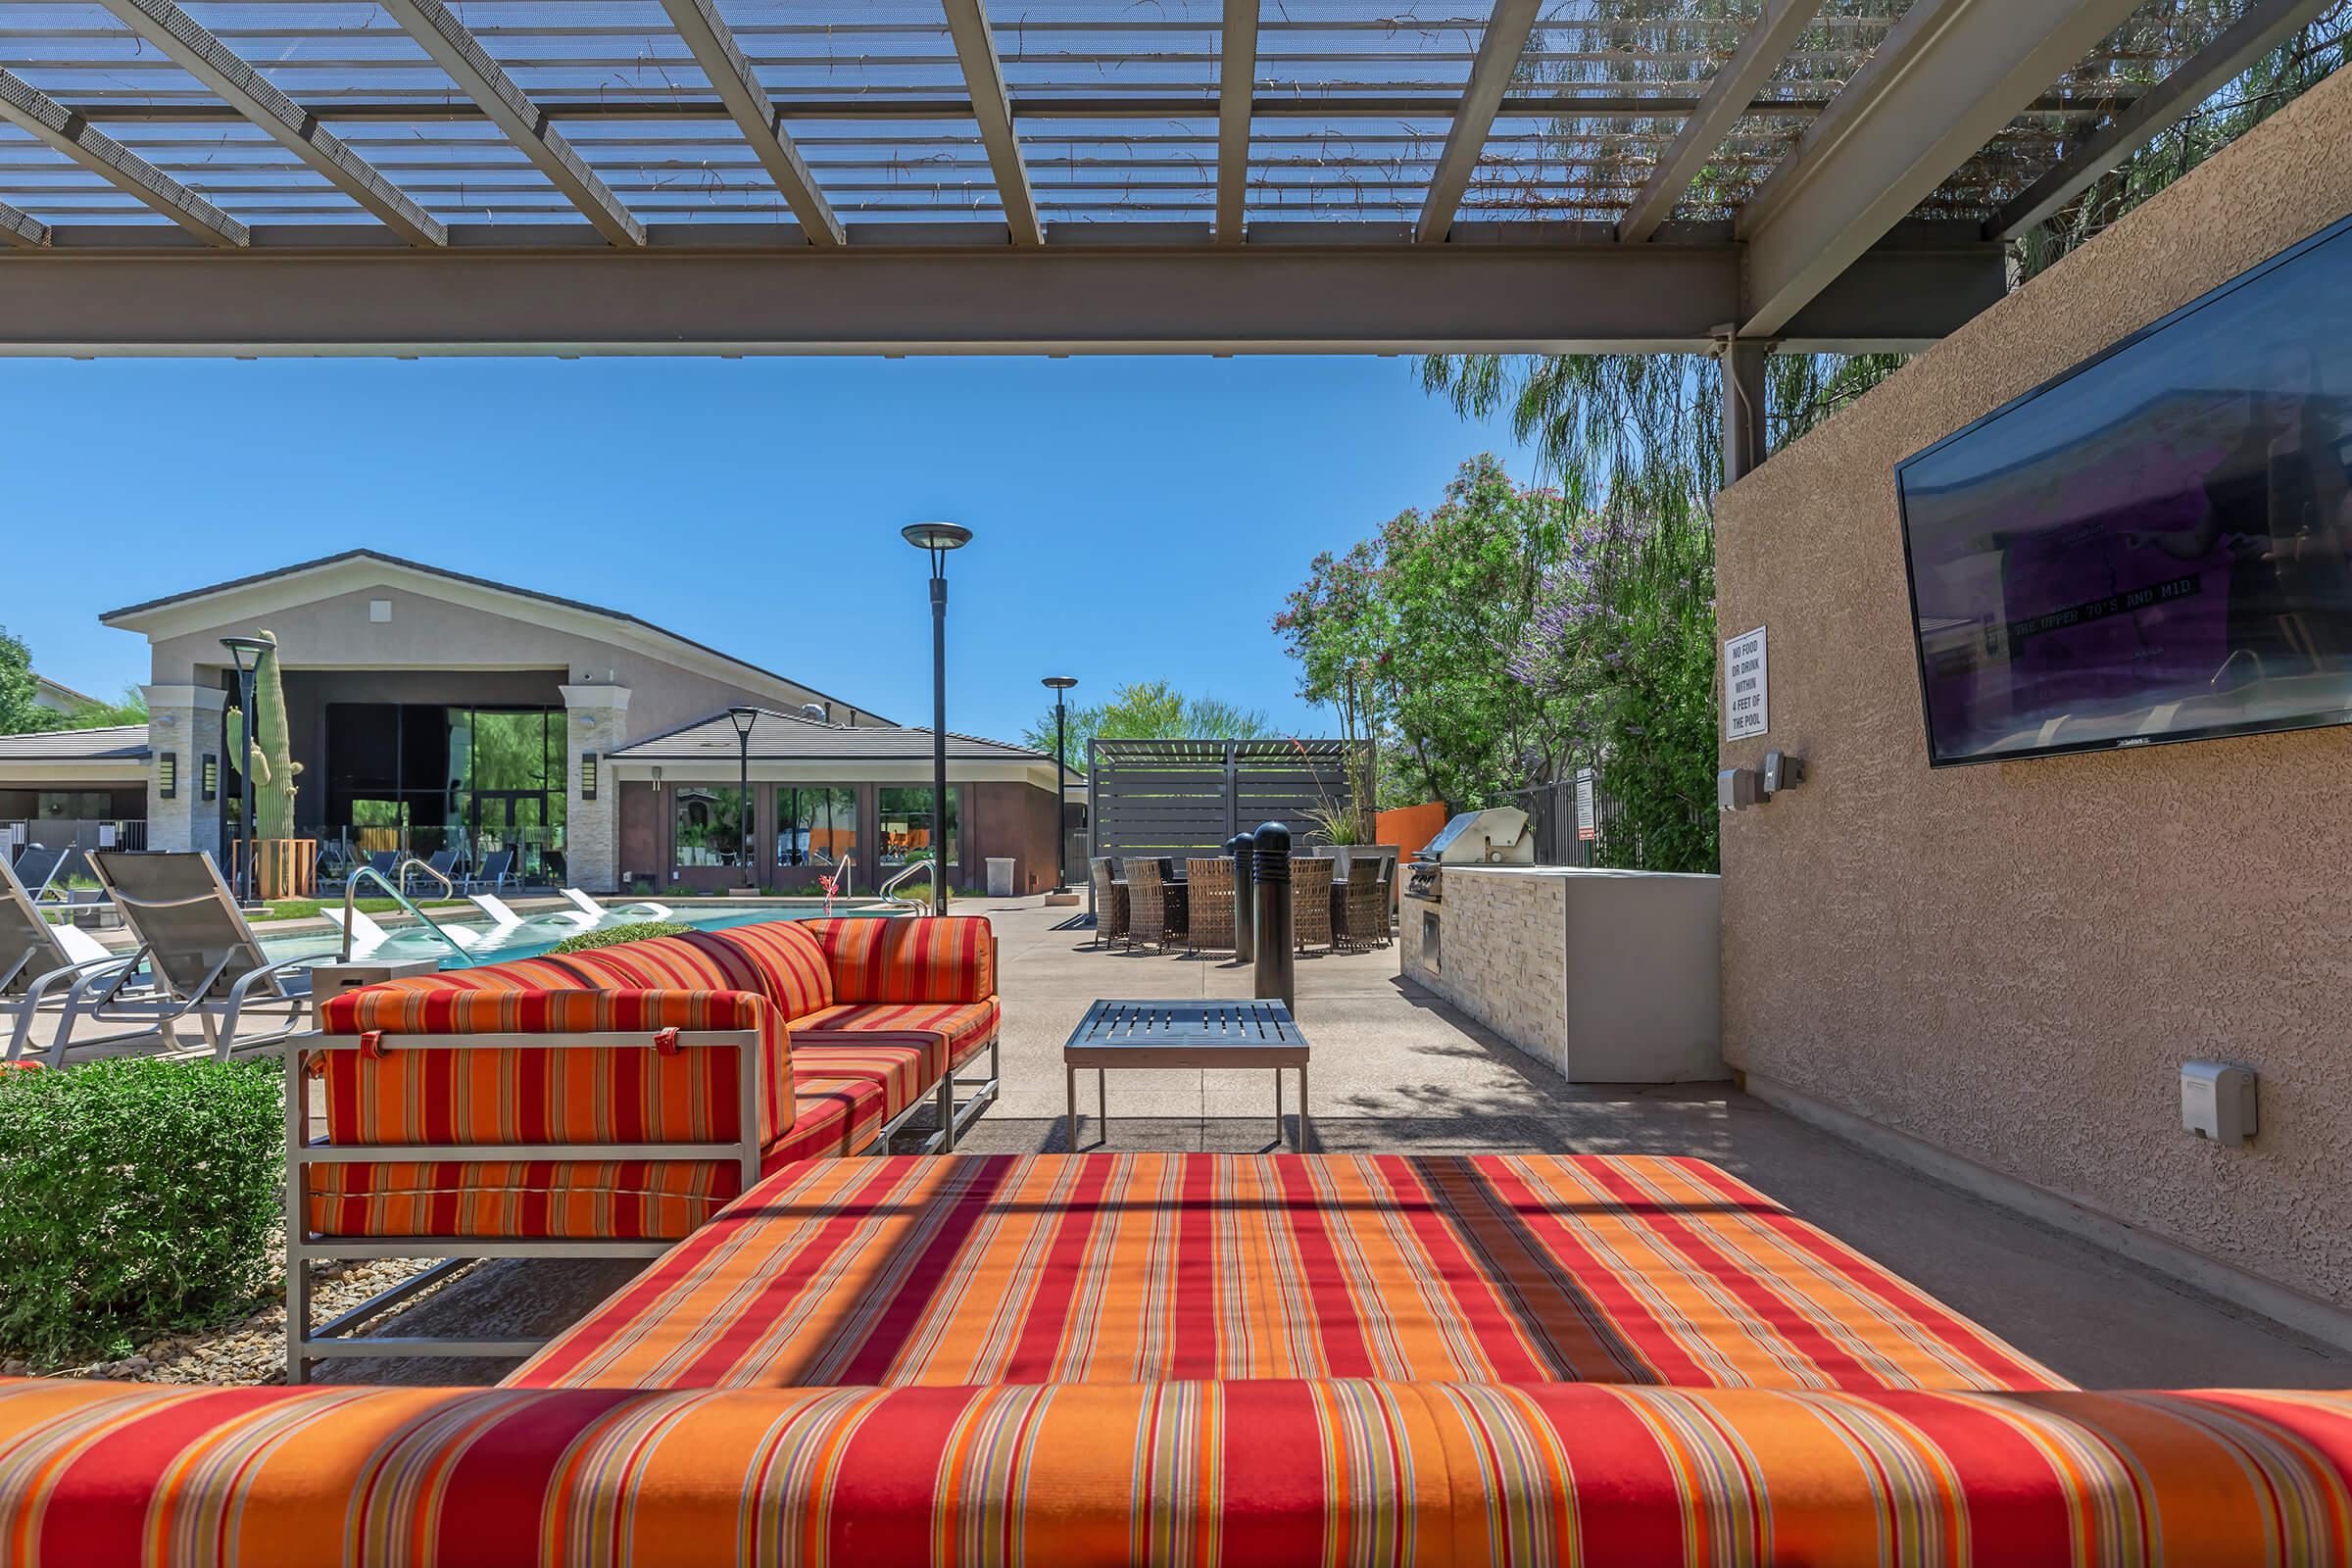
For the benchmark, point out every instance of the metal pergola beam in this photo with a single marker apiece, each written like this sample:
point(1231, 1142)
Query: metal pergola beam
point(1498, 51)
point(20, 227)
point(1941, 84)
point(26, 106)
point(992, 112)
point(1237, 81)
point(715, 49)
point(1728, 96)
point(682, 295)
point(2265, 25)
point(484, 81)
point(212, 62)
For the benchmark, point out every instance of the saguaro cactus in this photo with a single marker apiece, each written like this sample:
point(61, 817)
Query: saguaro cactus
point(268, 751)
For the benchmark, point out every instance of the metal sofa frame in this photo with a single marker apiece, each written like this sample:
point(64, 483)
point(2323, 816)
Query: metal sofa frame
point(307, 1343)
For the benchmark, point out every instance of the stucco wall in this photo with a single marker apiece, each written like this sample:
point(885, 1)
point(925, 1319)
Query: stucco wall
point(2010, 963)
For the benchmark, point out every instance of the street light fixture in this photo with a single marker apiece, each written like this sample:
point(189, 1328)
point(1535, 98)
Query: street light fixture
point(745, 719)
point(1058, 684)
point(936, 539)
point(247, 652)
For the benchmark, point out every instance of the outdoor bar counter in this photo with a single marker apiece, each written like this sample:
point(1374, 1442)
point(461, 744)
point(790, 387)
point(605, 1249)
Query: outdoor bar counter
point(1608, 976)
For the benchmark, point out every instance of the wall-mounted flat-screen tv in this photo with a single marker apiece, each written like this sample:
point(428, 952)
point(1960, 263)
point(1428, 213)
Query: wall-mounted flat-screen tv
point(2156, 545)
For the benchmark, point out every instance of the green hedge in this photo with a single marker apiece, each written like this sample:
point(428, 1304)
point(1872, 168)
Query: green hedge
point(609, 936)
point(137, 1197)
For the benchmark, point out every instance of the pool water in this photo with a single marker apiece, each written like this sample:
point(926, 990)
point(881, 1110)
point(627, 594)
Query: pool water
point(534, 936)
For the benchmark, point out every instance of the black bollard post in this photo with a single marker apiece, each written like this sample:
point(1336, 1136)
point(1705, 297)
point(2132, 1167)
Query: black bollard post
point(1277, 970)
point(1242, 846)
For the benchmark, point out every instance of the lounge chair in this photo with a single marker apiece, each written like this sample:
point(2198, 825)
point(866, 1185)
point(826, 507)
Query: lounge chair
point(206, 960)
point(504, 917)
point(497, 870)
point(444, 864)
point(644, 908)
point(40, 870)
point(40, 963)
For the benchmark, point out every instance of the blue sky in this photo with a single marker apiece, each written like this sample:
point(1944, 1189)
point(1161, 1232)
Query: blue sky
point(1136, 518)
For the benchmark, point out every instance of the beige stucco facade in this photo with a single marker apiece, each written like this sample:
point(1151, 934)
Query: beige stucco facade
point(2008, 963)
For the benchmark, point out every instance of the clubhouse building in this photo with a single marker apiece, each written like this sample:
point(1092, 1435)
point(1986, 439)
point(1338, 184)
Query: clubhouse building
point(432, 710)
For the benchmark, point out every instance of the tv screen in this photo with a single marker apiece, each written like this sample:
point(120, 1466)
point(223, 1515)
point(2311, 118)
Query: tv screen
point(2156, 545)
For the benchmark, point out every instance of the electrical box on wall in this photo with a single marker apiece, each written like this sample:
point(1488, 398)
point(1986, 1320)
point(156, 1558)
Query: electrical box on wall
point(2217, 1101)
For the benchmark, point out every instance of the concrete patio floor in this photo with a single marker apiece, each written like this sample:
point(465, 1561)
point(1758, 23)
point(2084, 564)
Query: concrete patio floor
point(1395, 1069)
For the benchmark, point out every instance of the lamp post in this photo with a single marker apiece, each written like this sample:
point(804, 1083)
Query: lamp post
point(1058, 684)
point(936, 539)
point(745, 719)
point(246, 651)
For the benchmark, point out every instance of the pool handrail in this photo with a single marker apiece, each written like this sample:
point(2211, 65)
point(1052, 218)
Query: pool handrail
point(369, 873)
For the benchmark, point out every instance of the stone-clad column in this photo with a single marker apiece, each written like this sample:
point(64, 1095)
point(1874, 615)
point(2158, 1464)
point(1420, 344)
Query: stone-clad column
point(185, 723)
point(596, 722)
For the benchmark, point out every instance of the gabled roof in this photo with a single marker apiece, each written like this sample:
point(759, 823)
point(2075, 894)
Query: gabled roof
point(116, 743)
point(402, 564)
point(788, 737)
point(59, 692)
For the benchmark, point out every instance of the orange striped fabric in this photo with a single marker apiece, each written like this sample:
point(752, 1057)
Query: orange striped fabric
point(1268, 1474)
point(948, 958)
point(798, 977)
point(580, 1200)
point(955, 1031)
point(569, 1093)
point(982, 1269)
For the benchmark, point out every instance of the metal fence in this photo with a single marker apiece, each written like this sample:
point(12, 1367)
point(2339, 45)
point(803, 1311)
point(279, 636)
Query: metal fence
point(1185, 798)
point(76, 833)
point(1567, 817)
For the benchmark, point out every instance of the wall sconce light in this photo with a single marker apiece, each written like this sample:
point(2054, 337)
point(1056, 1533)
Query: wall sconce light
point(167, 775)
point(586, 721)
point(587, 775)
point(1738, 788)
point(657, 781)
point(209, 778)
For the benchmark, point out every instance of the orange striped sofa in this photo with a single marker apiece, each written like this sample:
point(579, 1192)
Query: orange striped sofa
point(608, 1102)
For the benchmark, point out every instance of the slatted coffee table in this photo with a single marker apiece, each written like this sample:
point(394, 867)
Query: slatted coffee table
point(1183, 1034)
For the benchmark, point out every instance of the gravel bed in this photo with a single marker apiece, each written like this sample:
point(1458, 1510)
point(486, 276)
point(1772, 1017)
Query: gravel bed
point(251, 1349)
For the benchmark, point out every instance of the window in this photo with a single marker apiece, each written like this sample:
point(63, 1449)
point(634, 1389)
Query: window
point(903, 825)
point(710, 824)
point(816, 826)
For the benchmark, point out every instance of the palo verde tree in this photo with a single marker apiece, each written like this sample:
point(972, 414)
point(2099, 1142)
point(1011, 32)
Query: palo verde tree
point(1148, 711)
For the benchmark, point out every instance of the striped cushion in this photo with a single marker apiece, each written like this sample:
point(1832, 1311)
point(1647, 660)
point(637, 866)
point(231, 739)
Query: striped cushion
point(902, 1067)
point(1116, 1268)
point(564, 1093)
point(948, 958)
point(792, 962)
point(1236, 1475)
point(579, 1199)
point(954, 1031)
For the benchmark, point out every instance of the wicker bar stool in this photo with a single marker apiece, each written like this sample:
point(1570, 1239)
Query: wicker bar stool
point(1147, 901)
point(1110, 902)
point(1365, 908)
point(1310, 908)
point(1210, 921)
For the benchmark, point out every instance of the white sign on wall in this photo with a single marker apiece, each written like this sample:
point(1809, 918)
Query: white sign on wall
point(1745, 710)
point(1588, 822)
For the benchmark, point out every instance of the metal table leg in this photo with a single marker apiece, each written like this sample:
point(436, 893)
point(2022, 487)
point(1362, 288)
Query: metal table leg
point(1070, 1073)
point(1103, 1104)
point(1278, 1108)
point(1302, 1125)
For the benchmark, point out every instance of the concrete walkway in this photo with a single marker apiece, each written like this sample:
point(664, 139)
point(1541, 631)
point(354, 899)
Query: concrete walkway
point(1395, 1069)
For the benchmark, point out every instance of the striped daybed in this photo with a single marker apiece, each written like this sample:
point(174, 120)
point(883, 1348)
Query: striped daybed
point(608, 1102)
point(1212, 1361)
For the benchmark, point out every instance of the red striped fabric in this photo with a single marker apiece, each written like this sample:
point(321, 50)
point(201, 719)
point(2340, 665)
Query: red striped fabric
point(1236, 1475)
point(580, 1200)
point(798, 977)
point(1050, 1269)
point(949, 958)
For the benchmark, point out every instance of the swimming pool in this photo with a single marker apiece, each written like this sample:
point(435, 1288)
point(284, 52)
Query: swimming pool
point(493, 943)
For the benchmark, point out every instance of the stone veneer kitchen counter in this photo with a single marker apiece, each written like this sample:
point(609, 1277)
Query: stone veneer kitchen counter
point(1610, 976)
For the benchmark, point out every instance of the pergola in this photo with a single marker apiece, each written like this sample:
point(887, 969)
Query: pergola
point(745, 176)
